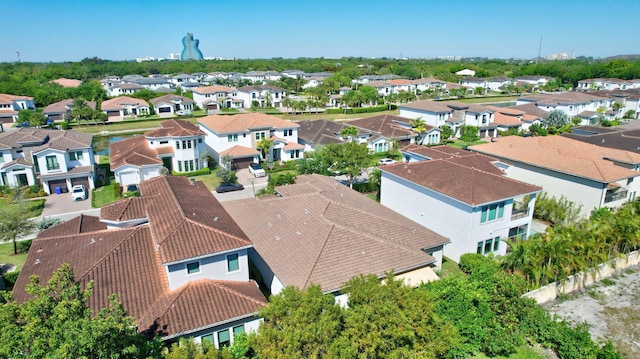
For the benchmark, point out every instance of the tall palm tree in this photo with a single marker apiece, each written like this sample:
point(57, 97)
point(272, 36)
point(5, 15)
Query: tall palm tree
point(264, 145)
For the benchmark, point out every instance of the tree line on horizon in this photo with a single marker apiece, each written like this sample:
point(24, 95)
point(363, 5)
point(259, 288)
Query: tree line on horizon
point(33, 79)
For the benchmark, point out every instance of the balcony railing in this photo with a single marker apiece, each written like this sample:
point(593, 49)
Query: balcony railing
point(519, 213)
point(615, 196)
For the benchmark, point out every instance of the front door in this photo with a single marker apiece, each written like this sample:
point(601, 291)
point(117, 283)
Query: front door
point(21, 180)
point(276, 154)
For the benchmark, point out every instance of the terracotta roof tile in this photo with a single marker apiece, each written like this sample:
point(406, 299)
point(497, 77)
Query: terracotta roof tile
point(435, 152)
point(212, 89)
point(67, 82)
point(322, 232)
point(134, 151)
point(238, 151)
point(170, 98)
point(564, 155)
point(387, 126)
point(118, 103)
point(175, 128)
point(466, 184)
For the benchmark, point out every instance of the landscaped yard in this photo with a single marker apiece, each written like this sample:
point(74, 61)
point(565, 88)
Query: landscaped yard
point(103, 196)
point(34, 206)
point(7, 256)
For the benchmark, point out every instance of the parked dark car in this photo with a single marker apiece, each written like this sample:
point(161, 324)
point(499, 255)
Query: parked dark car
point(229, 187)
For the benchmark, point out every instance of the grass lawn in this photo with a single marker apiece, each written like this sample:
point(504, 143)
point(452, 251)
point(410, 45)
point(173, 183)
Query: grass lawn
point(463, 144)
point(34, 206)
point(103, 196)
point(7, 256)
point(334, 117)
point(449, 267)
point(210, 180)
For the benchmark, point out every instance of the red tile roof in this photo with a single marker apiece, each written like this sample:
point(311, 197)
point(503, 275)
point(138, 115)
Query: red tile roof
point(455, 179)
point(564, 155)
point(133, 151)
point(243, 122)
point(175, 128)
point(319, 231)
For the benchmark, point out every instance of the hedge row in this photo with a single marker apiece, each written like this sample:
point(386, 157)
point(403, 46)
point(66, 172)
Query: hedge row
point(200, 172)
point(335, 111)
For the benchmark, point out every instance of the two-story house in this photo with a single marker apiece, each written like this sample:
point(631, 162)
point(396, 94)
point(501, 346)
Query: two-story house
point(463, 197)
point(177, 259)
point(262, 96)
point(591, 176)
point(119, 108)
point(571, 103)
point(172, 105)
point(177, 145)
point(387, 131)
point(453, 114)
point(11, 104)
point(57, 159)
point(238, 135)
point(215, 97)
point(314, 133)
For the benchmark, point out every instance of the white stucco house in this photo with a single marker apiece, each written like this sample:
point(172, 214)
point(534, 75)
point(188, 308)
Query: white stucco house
point(237, 136)
point(177, 145)
point(463, 197)
point(453, 114)
point(571, 103)
point(11, 104)
point(172, 105)
point(177, 258)
point(122, 107)
point(215, 97)
point(591, 176)
point(262, 95)
point(57, 159)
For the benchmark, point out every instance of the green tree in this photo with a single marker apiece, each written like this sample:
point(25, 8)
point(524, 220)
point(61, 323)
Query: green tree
point(298, 324)
point(349, 158)
point(369, 94)
point(445, 133)
point(15, 221)
point(629, 114)
point(264, 146)
point(33, 118)
point(469, 134)
point(556, 119)
point(349, 133)
point(56, 323)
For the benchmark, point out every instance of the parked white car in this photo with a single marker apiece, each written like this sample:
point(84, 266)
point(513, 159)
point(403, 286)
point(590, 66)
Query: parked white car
point(79, 192)
point(257, 170)
point(387, 161)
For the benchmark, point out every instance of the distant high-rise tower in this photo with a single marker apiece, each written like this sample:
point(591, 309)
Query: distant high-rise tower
point(190, 50)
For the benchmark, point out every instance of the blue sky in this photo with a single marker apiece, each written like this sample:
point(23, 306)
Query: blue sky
point(70, 30)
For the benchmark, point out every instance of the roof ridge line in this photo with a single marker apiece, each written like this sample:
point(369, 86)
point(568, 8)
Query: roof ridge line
point(315, 263)
point(220, 283)
point(218, 230)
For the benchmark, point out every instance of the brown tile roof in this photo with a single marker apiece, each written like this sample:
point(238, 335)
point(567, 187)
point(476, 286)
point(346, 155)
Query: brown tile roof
point(564, 97)
point(387, 126)
point(319, 231)
point(531, 109)
point(435, 152)
point(133, 151)
point(67, 82)
point(563, 155)
point(243, 122)
point(293, 146)
point(126, 209)
point(175, 128)
point(445, 106)
point(505, 110)
point(238, 151)
point(455, 180)
point(118, 103)
point(505, 120)
point(64, 105)
point(188, 307)
point(400, 82)
point(322, 132)
point(77, 225)
point(127, 261)
point(41, 139)
point(188, 221)
point(5, 98)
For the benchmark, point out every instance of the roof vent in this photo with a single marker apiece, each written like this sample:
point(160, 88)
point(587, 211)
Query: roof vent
point(215, 219)
point(277, 238)
point(92, 241)
point(269, 225)
point(306, 211)
point(278, 216)
point(37, 260)
point(298, 233)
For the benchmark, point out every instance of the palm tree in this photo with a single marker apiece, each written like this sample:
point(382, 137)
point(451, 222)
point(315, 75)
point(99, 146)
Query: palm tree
point(264, 145)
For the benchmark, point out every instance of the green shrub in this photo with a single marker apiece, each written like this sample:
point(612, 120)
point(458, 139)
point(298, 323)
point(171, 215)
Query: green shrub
point(10, 278)
point(366, 187)
point(117, 189)
point(200, 172)
point(472, 263)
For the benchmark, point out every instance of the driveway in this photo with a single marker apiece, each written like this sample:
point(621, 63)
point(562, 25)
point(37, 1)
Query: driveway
point(251, 186)
point(61, 206)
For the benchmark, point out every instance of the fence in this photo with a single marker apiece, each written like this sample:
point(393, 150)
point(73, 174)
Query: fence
point(581, 280)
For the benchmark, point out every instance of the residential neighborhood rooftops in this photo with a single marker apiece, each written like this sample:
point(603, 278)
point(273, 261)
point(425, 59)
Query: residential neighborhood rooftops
point(434, 152)
point(64, 105)
point(212, 89)
point(387, 126)
point(171, 99)
point(117, 103)
point(67, 82)
point(458, 178)
point(564, 155)
point(175, 128)
point(322, 132)
point(42, 139)
point(133, 151)
point(243, 122)
point(319, 231)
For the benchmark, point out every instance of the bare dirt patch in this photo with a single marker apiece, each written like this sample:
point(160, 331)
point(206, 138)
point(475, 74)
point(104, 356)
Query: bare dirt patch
point(611, 308)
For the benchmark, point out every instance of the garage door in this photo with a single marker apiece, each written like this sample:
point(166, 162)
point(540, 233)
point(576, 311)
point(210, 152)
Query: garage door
point(127, 178)
point(80, 180)
point(240, 163)
point(58, 183)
